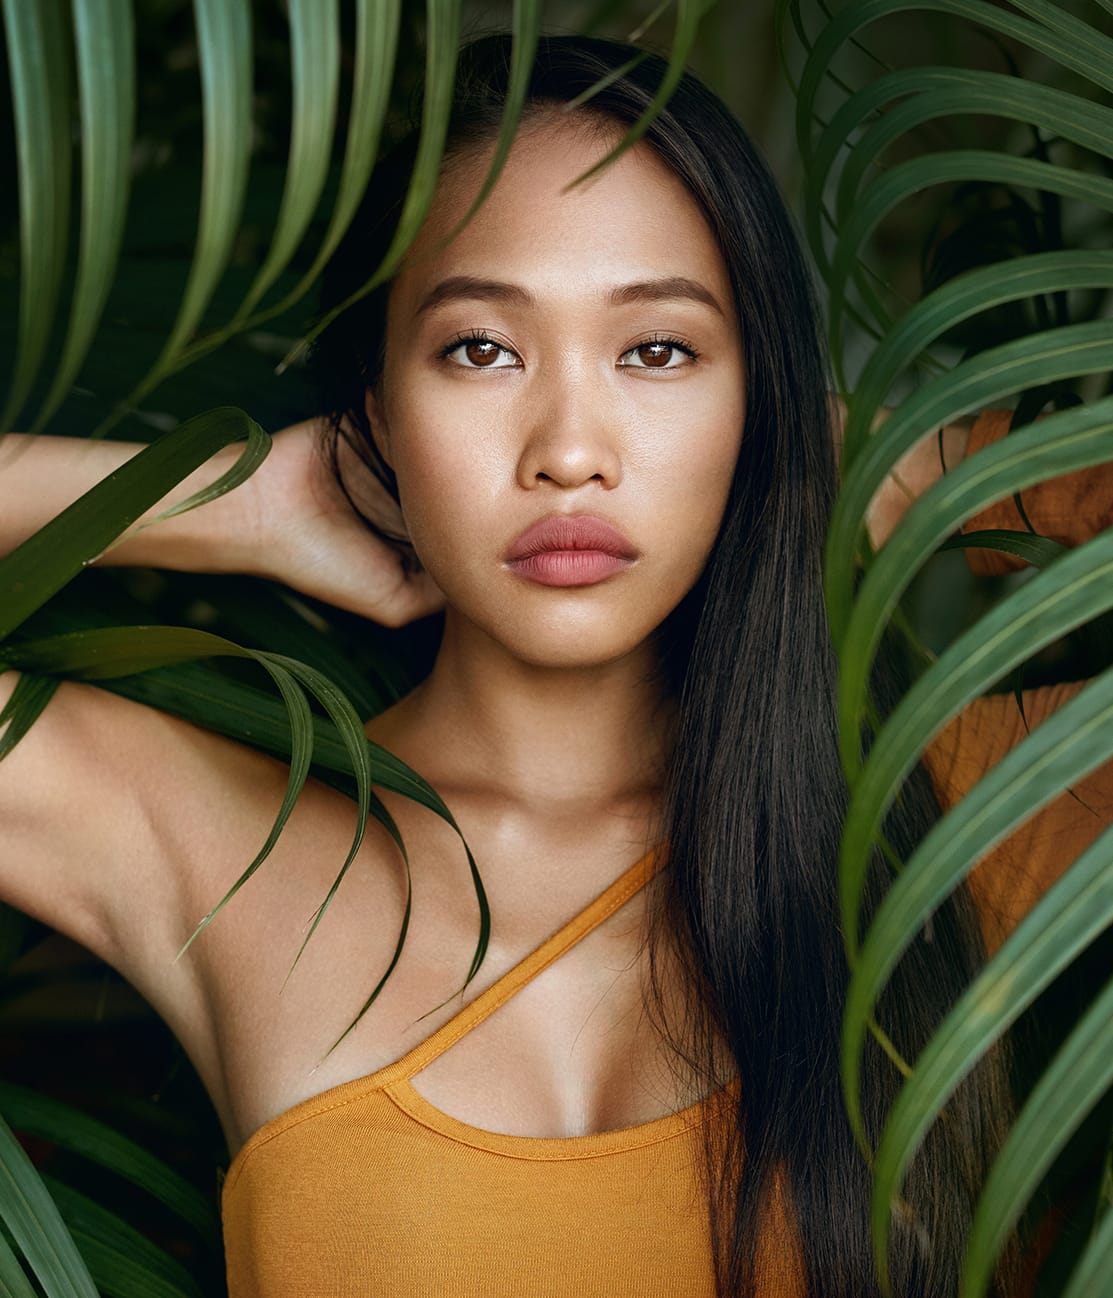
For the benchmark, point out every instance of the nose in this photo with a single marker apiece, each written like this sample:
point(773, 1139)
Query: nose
point(572, 437)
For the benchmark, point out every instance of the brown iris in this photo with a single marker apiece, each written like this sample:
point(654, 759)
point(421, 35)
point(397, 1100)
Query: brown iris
point(480, 352)
point(656, 355)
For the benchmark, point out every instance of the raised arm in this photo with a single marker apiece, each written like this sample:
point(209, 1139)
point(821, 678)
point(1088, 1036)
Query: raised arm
point(103, 799)
point(290, 521)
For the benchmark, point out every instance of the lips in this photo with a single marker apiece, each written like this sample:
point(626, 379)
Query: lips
point(564, 550)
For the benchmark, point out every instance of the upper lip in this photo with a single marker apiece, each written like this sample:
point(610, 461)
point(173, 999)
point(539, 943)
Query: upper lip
point(571, 532)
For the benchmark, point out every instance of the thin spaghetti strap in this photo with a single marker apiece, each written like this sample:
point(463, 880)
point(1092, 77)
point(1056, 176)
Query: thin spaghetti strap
point(501, 991)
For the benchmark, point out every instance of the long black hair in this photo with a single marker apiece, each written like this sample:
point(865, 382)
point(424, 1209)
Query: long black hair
point(754, 792)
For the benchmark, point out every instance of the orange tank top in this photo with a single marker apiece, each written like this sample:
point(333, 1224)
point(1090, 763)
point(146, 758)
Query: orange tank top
point(368, 1190)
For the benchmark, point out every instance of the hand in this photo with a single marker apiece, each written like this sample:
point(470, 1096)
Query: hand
point(304, 532)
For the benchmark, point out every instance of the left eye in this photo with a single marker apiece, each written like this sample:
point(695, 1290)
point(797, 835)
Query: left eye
point(660, 354)
point(481, 354)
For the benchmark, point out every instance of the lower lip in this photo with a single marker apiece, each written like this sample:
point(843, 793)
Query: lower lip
point(568, 567)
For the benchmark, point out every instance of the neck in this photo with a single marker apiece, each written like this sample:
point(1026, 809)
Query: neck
point(552, 738)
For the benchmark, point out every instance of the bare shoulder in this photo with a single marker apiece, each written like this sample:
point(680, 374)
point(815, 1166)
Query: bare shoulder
point(124, 827)
point(114, 814)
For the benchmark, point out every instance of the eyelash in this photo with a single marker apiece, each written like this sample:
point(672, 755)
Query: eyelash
point(681, 345)
point(669, 340)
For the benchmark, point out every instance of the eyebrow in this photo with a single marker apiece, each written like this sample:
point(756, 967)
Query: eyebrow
point(670, 288)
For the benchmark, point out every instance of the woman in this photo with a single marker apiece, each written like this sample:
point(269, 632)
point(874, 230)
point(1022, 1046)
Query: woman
point(604, 412)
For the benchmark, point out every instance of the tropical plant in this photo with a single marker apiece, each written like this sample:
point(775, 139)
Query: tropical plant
point(316, 685)
point(864, 153)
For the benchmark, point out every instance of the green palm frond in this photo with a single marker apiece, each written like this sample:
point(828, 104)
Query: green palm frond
point(37, 59)
point(122, 1262)
point(863, 149)
point(49, 1119)
point(224, 48)
point(105, 47)
point(32, 1219)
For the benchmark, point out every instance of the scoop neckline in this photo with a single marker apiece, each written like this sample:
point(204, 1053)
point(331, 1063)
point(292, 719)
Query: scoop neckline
point(401, 1092)
point(590, 1144)
point(393, 1079)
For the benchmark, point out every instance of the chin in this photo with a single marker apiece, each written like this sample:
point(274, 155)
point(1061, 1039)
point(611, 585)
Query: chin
point(560, 630)
point(572, 657)
point(555, 643)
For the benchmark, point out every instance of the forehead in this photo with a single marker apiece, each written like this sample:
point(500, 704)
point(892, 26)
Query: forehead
point(635, 220)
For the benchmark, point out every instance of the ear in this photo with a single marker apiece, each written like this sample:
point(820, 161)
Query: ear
point(373, 408)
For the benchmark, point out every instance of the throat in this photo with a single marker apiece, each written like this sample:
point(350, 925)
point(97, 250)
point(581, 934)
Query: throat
point(551, 739)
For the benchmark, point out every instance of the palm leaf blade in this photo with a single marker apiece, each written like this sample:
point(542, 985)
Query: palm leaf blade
point(124, 1263)
point(1073, 914)
point(113, 652)
point(13, 1278)
point(224, 48)
point(38, 568)
point(1095, 1264)
point(301, 734)
point(24, 705)
point(1066, 442)
point(1078, 1077)
point(35, 1224)
point(527, 31)
point(953, 304)
point(442, 46)
point(1040, 358)
point(49, 1119)
point(1045, 608)
point(41, 108)
point(315, 52)
point(1076, 739)
point(688, 14)
point(376, 45)
point(105, 42)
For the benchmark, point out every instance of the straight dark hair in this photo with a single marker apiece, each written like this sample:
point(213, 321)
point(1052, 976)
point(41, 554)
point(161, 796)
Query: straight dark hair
point(754, 791)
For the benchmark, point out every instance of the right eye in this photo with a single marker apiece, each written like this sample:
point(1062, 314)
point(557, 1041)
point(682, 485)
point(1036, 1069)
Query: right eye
point(475, 352)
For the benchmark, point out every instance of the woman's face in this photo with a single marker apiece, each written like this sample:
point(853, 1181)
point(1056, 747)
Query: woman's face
point(563, 397)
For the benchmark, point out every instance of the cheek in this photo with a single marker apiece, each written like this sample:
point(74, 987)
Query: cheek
point(693, 475)
point(448, 479)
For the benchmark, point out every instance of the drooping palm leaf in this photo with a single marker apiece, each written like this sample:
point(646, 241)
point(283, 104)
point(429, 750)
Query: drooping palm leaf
point(1064, 748)
point(104, 40)
point(25, 703)
point(1096, 1263)
point(1079, 1077)
point(41, 108)
point(122, 1262)
point(224, 48)
point(863, 162)
point(1063, 443)
point(376, 44)
point(442, 48)
point(49, 1119)
point(315, 50)
point(1065, 922)
point(688, 15)
point(33, 1220)
point(55, 554)
point(104, 31)
point(13, 1278)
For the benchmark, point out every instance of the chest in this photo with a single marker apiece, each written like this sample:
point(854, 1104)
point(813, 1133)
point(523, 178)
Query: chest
point(569, 1052)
